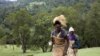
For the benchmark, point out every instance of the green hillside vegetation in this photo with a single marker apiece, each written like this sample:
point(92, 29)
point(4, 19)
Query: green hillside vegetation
point(29, 22)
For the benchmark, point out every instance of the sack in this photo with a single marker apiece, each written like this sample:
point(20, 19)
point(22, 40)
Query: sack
point(59, 41)
point(77, 43)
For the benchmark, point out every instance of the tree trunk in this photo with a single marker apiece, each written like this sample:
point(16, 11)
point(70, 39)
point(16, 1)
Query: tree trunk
point(24, 48)
point(44, 49)
point(23, 43)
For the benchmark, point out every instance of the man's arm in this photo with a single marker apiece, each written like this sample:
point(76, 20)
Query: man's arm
point(66, 45)
point(52, 43)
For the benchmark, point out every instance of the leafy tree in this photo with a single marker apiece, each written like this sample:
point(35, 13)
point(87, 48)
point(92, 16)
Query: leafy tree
point(92, 26)
point(20, 23)
point(42, 31)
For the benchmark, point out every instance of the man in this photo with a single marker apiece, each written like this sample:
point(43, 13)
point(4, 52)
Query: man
point(73, 44)
point(59, 38)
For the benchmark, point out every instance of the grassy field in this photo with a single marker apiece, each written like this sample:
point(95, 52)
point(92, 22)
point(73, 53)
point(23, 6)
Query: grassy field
point(9, 51)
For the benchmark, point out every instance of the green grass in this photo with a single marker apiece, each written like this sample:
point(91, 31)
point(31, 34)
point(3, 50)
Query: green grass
point(89, 52)
point(18, 52)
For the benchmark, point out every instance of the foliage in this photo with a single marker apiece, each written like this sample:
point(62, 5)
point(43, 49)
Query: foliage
point(20, 23)
point(29, 22)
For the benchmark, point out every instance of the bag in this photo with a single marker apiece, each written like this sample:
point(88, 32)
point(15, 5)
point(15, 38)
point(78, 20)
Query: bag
point(77, 43)
point(58, 40)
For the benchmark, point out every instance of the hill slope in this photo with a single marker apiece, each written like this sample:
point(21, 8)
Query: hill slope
point(9, 51)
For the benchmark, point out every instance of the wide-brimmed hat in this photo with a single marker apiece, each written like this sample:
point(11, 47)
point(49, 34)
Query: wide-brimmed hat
point(61, 19)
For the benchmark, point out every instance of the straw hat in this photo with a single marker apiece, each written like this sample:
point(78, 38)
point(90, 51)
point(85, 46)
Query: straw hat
point(61, 19)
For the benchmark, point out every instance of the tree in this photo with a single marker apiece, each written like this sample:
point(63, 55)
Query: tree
point(20, 23)
point(42, 31)
point(92, 26)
